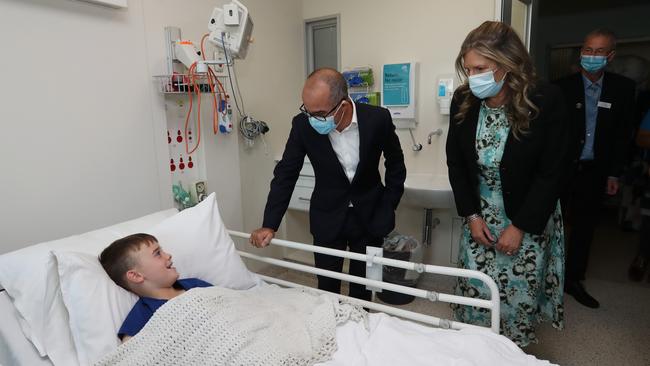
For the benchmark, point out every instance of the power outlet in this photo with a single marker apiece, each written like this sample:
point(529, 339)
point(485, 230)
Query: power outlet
point(230, 14)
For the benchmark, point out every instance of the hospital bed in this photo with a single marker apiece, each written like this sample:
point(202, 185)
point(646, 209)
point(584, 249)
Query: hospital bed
point(57, 307)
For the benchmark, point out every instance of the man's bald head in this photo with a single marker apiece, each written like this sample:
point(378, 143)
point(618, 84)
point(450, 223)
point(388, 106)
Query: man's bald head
point(327, 82)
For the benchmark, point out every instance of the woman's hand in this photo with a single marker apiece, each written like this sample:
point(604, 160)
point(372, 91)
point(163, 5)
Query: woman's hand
point(480, 232)
point(510, 240)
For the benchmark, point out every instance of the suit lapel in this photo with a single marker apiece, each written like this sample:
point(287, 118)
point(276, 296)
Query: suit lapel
point(580, 103)
point(362, 125)
point(324, 145)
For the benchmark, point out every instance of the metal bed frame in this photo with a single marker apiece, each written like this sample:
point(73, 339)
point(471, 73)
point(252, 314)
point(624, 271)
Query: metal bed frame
point(375, 259)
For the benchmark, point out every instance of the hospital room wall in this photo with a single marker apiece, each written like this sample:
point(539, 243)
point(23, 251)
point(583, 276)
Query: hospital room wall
point(375, 32)
point(270, 87)
point(85, 131)
point(78, 137)
point(220, 153)
point(271, 79)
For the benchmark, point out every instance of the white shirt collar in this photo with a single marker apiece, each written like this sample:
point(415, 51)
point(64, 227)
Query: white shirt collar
point(354, 122)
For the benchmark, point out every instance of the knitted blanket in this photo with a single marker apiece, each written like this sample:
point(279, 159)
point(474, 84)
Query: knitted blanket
point(217, 326)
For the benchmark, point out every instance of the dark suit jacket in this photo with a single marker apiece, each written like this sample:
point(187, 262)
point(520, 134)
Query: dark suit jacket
point(374, 202)
point(614, 125)
point(531, 168)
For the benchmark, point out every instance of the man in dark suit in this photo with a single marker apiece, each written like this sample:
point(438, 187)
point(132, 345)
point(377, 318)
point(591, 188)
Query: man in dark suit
point(601, 112)
point(350, 207)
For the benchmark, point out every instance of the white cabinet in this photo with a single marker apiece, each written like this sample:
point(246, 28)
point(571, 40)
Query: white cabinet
point(304, 188)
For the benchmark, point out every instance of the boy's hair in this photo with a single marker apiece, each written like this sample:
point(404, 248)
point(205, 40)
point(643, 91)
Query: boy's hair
point(117, 258)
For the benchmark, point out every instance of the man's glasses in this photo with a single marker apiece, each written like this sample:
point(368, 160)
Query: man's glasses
point(596, 51)
point(319, 116)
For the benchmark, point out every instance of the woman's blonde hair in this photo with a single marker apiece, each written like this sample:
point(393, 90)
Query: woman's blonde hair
point(498, 42)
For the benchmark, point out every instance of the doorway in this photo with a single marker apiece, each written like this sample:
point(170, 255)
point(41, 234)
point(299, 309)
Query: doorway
point(322, 43)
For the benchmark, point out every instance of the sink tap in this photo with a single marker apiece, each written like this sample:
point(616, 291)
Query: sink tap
point(437, 132)
point(416, 146)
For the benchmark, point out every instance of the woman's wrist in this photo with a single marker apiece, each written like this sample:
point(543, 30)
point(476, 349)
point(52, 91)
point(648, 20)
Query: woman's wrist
point(472, 217)
point(518, 230)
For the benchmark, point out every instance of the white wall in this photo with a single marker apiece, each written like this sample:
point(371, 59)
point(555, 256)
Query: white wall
point(271, 90)
point(218, 153)
point(78, 150)
point(85, 131)
point(430, 32)
point(89, 150)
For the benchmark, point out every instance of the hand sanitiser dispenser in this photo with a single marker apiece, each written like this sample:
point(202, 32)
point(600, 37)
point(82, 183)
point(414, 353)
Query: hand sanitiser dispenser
point(444, 94)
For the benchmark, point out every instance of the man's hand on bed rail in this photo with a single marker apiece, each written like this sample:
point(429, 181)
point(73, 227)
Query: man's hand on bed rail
point(261, 237)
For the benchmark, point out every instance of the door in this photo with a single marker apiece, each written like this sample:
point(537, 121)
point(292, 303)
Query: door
point(519, 14)
point(322, 43)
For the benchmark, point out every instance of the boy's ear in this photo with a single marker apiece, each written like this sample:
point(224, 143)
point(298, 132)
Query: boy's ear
point(134, 276)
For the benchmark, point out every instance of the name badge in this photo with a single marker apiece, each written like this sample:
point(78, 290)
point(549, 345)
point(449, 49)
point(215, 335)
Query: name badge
point(606, 105)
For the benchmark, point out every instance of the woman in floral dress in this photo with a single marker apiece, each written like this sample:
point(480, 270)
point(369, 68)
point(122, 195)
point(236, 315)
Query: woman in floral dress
point(507, 153)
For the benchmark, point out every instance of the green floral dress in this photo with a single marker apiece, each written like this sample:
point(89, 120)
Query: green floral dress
point(531, 281)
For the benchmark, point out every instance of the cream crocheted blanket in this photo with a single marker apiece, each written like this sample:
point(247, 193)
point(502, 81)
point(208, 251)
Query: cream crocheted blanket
point(217, 326)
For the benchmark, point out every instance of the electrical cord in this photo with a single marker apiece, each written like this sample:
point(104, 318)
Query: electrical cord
point(192, 82)
point(234, 92)
point(220, 95)
point(250, 128)
point(241, 99)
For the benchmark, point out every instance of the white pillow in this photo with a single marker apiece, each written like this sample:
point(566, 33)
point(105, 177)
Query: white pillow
point(30, 277)
point(97, 306)
point(201, 248)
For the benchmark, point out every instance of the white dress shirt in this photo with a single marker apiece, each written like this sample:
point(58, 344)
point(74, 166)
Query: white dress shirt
point(346, 145)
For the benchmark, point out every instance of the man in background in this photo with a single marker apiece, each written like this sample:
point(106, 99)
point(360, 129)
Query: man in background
point(601, 114)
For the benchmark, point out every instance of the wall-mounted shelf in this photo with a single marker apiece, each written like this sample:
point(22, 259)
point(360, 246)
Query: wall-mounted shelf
point(181, 84)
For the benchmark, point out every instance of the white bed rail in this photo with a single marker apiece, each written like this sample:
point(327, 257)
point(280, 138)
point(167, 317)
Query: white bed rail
point(492, 304)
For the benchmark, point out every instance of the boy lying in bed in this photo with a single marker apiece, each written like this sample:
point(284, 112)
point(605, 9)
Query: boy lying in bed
point(215, 325)
point(138, 264)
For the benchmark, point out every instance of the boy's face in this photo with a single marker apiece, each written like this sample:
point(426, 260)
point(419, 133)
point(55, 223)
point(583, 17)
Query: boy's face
point(155, 266)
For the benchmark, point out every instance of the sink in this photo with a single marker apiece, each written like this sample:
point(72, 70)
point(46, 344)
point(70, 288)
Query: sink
point(430, 191)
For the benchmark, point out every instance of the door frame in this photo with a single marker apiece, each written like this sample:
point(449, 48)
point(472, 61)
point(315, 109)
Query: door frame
point(503, 12)
point(309, 25)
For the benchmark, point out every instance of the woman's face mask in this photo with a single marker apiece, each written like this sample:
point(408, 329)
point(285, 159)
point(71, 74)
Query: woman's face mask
point(593, 64)
point(484, 86)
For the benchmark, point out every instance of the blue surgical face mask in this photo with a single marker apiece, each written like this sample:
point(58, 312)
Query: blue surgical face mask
point(323, 127)
point(592, 64)
point(326, 126)
point(484, 86)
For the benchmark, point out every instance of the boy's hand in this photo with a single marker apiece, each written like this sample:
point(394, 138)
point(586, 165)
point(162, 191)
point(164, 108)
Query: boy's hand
point(261, 237)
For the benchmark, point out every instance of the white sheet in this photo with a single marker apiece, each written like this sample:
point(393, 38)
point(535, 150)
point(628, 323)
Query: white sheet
point(389, 341)
point(15, 349)
point(392, 341)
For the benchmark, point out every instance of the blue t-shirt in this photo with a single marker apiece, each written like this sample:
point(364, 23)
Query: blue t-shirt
point(145, 307)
